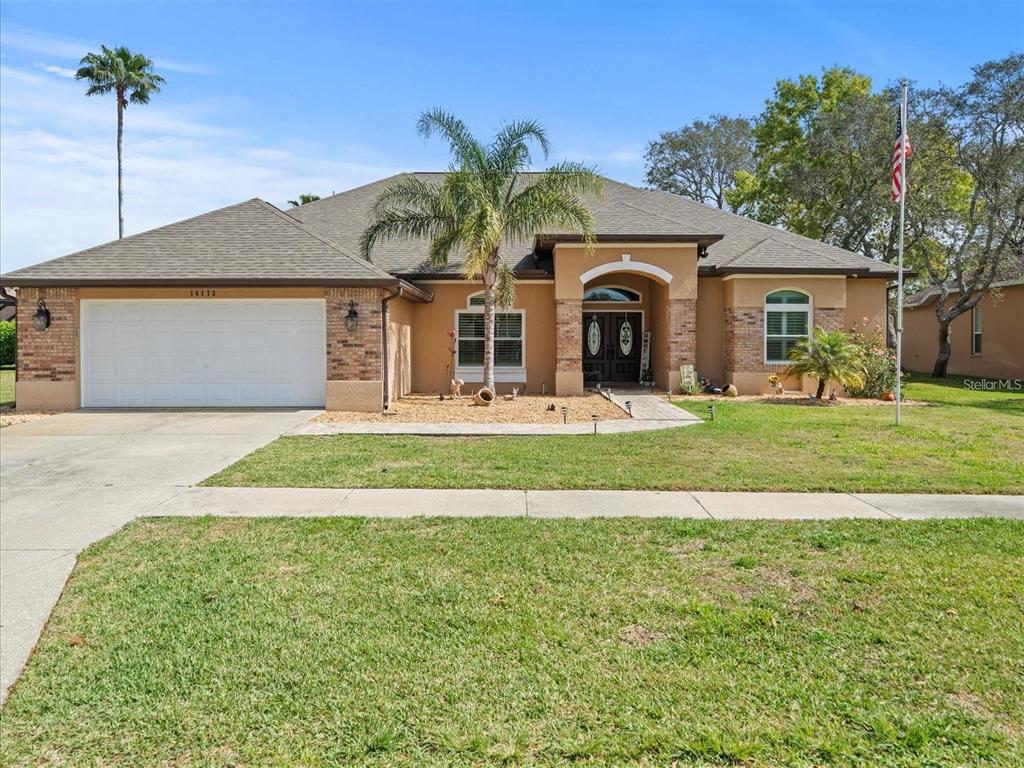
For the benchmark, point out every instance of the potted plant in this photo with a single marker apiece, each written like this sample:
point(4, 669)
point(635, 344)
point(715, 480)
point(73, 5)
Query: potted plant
point(775, 384)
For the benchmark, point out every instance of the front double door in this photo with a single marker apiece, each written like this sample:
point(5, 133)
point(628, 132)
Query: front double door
point(611, 347)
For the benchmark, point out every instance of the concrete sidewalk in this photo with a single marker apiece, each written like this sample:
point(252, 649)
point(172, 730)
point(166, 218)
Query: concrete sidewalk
point(331, 502)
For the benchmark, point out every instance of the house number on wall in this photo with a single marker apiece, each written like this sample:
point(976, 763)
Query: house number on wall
point(202, 292)
point(626, 337)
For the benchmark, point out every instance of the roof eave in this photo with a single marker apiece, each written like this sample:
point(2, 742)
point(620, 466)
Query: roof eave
point(699, 239)
point(63, 282)
point(712, 271)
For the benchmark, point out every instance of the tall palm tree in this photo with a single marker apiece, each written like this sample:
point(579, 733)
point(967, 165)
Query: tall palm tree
point(304, 198)
point(486, 200)
point(130, 76)
point(828, 356)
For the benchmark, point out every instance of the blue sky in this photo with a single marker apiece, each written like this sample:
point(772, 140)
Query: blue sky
point(270, 99)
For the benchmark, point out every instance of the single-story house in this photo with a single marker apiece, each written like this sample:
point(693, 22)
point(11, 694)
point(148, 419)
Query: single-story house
point(986, 342)
point(250, 305)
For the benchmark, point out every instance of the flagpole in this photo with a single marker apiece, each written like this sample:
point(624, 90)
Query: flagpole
point(899, 281)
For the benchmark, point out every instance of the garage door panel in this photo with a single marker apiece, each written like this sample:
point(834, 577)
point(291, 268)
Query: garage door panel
point(196, 353)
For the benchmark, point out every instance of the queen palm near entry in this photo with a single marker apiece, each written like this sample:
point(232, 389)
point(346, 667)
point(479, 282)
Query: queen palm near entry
point(486, 199)
point(130, 76)
point(828, 356)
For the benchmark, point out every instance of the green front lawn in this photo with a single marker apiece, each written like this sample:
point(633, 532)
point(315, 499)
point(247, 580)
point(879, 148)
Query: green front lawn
point(444, 642)
point(6, 387)
point(963, 442)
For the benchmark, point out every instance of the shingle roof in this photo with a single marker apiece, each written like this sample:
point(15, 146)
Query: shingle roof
point(319, 242)
point(247, 242)
point(624, 210)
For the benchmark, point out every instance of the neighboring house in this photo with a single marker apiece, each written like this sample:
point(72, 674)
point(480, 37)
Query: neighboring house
point(987, 341)
point(8, 304)
point(252, 306)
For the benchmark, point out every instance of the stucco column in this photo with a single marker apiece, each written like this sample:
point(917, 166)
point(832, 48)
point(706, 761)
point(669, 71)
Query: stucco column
point(682, 338)
point(568, 347)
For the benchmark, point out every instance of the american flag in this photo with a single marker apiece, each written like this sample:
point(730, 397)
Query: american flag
point(902, 139)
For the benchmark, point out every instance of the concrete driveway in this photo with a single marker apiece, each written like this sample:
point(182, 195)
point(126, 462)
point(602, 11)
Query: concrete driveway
point(71, 479)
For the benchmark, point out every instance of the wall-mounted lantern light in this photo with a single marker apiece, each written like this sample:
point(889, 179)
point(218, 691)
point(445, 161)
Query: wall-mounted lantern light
point(41, 319)
point(352, 318)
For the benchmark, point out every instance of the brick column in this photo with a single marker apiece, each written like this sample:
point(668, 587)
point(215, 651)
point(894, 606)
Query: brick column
point(355, 372)
point(47, 361)
point(568, 346)
point(682, 337)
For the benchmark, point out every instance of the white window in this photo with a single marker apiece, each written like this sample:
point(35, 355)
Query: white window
point(976, 331)
point(509, 342)
point(787, 321)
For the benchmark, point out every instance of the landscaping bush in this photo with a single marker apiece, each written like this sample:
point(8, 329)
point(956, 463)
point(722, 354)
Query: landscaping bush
point(7, 342)
point(879, 362)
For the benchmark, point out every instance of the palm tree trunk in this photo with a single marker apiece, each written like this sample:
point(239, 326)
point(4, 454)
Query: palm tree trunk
point(821, 388)
point(120, 171)
point(945, 350)
point(489, 301)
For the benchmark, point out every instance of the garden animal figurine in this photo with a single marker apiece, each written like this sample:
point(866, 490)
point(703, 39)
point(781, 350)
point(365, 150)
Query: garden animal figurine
point(456, 391)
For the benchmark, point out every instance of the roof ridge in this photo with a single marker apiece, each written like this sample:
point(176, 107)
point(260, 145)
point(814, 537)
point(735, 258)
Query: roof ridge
point(120, 240)
point(720, 211)
point(353, 189)
point(320, 236)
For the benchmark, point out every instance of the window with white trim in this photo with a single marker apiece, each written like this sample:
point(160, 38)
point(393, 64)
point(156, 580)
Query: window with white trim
point(787, 322)
point(976, 331)
point(509, 336)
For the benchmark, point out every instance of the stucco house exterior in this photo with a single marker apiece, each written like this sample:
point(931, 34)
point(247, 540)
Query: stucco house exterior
point(250, 305)
point(986, 342)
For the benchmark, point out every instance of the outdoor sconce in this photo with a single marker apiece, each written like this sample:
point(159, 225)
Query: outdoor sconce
point(41, 319)
point(352, 318)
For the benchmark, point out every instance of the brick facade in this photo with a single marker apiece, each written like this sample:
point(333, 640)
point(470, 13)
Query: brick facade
point(49, 355)
point(744, 337)
point(682, 333)
point(354, 355)
point(830, 318)
point(569, 335)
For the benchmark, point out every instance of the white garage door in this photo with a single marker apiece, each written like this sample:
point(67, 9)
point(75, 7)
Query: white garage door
point(214, 352)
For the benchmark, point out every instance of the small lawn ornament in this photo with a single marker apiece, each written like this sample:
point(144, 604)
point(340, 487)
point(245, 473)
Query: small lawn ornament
point(832, 396)
point(731, 391)
point(513, 395)
point(456, 389)
point(551, 407)
point(484, 396)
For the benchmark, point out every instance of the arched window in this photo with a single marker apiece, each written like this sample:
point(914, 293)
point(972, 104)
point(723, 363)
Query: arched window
point(787, 321)
point(613, 293)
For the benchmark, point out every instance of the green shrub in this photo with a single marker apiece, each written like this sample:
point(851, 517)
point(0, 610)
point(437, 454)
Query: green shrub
point(879, 362)
point(690, 388)
point(7, 342)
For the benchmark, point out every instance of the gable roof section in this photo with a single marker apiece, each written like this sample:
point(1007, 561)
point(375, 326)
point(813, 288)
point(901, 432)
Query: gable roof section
point(250, 242)
point(736, 243)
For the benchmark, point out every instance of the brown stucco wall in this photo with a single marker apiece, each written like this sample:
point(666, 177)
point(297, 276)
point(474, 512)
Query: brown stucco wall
point(865, 303)
point(711, 328)
point(400, 315)
point(431, 323)
point(1002, 340)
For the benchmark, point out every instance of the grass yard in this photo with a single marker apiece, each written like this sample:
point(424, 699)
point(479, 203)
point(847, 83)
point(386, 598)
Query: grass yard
point(963, 442)
point(6, 387)
point(445, 642)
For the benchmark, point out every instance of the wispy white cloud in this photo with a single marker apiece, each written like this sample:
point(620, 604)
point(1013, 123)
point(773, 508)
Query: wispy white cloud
point(53, 69)
point(68, 49)
point(58, 190)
